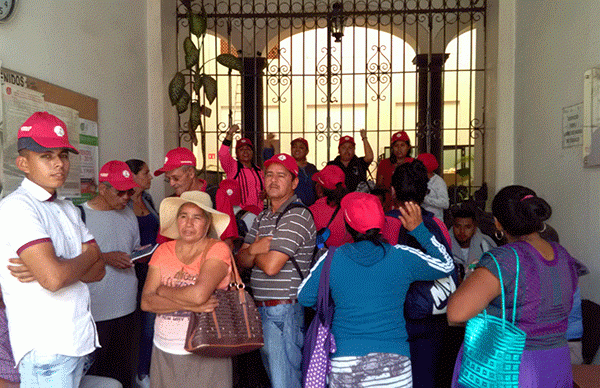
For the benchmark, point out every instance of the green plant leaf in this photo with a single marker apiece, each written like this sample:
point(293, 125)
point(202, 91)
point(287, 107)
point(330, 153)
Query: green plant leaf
point(183, 102)
point(197, 23)
point(210, 87)
point(197, 83)
point(176, 87)
point(194, 115)
point(463, 172)
point(230, 61)
point(191, 53)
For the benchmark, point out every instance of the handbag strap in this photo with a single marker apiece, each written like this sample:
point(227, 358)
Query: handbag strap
point(514, 313)
point(237, 279)
point(324, 295)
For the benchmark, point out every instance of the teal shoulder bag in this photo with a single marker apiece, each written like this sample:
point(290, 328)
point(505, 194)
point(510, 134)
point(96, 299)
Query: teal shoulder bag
point(493, 347)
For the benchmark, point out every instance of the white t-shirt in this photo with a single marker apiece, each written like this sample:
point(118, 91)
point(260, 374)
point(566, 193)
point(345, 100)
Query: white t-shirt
point(115, 230)
point(51, 322)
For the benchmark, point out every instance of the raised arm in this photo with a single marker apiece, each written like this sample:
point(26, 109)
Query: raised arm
point(369, 156)
point(227, 161)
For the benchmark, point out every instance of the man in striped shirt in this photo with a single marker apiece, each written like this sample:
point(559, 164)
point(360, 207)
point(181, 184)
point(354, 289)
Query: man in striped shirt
point(279, 249)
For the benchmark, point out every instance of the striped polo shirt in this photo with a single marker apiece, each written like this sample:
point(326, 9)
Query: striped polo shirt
point(295, 236)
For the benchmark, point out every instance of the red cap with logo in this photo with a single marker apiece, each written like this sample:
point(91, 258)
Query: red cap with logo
point(402, 136)
point(286, 160)
point(118, 174)
point(42, 132)
point(330, 176)
point(363, 211)
point(301, 140)
point(243, 142)
point(430, 162)
point(175, 158)
point(346, 139)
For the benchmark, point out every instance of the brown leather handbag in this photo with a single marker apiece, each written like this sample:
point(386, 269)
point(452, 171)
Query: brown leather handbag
point(233, 328)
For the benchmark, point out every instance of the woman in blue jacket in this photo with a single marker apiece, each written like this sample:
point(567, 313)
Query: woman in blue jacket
point(369, 280)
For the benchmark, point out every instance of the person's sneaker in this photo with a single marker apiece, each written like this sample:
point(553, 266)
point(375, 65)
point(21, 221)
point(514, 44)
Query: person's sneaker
point(143, 382)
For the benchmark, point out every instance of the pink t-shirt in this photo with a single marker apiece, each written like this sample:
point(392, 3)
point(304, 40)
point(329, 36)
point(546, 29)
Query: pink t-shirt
point(322, 213)
point(170, 329)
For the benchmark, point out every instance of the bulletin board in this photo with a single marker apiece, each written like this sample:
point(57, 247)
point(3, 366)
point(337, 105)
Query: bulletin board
point(81, 117)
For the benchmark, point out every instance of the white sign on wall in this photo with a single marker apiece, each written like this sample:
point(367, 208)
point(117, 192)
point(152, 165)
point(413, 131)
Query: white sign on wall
point(572, 126)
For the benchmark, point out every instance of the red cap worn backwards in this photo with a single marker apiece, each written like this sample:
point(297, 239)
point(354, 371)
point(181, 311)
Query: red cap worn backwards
point(118, 174)
point(175, 158)
point(42, 132)
point(363, 211)
point(286, 160)
point(330, 176)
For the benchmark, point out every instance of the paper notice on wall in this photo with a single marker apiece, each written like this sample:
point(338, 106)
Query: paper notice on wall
point(88, 149)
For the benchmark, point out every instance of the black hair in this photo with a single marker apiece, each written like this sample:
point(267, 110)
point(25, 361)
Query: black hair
point(135, 165)
point(393, 157)
point(464, 212)
point(410, 182)
point(520, 211)
point(334, 197)
point(373, 235)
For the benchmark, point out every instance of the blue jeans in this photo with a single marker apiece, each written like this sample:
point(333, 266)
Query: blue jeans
point(283, 335)
point(51, 370)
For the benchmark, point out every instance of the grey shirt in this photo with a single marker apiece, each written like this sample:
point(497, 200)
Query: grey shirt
point(294, 236)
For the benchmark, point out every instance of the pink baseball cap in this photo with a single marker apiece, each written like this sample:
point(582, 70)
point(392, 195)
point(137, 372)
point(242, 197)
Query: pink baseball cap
point(301, 140)
point(175, 158)
point(430, 162)
point(42, 132)
point(242, 142)
point(330, 176)
point(346, 139)
point(286, 160)
point(363, 211)
point(402, 136)
point(118, 174)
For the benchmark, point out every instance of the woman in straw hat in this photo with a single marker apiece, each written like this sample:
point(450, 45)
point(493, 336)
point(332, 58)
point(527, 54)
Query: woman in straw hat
point(182, 276)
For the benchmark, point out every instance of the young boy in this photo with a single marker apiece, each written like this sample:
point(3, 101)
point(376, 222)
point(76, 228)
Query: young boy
point(46, 253)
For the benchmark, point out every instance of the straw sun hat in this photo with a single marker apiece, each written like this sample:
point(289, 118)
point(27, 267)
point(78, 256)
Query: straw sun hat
point(170, 206)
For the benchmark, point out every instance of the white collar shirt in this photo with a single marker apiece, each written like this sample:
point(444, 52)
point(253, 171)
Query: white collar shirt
point(50, 322)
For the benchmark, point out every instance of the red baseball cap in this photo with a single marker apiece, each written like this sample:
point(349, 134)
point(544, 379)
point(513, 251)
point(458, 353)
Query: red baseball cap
point(118, 174)
point(346, 139)
point(242, 142)
point(231, 188)
point(175, 158)
point(42, 132)
point(430, 162)
point(363, 211)
point(402, 136)
point(286, 160)
point(330, 176)
point(301, 140)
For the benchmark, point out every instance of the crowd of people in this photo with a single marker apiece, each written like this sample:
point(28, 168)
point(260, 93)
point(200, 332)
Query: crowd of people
point(79, 311)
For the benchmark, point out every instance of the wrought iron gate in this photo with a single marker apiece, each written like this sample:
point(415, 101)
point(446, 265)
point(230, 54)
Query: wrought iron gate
point(413, 65)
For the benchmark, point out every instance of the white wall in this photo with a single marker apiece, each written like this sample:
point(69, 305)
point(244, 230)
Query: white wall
point(97, 48)
point(555, 43)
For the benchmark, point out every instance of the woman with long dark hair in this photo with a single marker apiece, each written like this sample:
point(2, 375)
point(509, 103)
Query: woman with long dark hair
point(546, 283)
